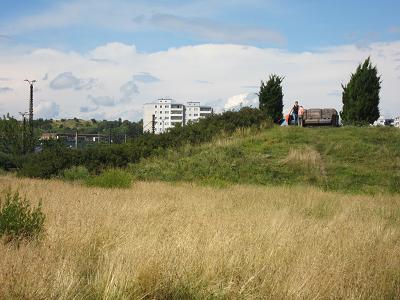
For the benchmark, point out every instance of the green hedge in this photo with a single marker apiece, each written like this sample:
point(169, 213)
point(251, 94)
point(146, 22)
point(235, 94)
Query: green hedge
point(54, 160)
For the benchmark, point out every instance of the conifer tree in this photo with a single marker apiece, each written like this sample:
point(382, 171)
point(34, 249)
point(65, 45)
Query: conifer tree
point(361, 96)
point(271, 97)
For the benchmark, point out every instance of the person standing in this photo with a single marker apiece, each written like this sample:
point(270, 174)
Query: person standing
point(301, 115)
point(295, 112)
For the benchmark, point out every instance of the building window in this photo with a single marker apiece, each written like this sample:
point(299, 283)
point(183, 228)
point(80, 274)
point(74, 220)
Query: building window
point(166, 106)
point(160, 112)
point(195, 115)
point(155, 106)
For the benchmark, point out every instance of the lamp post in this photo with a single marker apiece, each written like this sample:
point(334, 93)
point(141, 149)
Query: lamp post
point(31, 138)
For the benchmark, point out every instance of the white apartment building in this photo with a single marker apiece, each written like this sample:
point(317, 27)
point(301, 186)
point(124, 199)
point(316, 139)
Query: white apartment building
point(194, 112)
point(167, 114)
point(396, 122)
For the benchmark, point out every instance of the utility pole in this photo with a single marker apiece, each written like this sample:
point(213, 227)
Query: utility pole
point(31, 144)
point(76, 139)
point(23, 114)
point(153, 124)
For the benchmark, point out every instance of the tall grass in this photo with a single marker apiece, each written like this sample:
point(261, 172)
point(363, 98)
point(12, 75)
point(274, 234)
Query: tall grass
point(158, 241)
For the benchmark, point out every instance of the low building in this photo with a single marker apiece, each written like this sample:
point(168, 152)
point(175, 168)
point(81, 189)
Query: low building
point(165, 114)
point(71, 137)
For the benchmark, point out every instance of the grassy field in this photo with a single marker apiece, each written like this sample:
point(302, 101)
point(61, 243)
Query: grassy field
point(183, 241)
point(349, 159)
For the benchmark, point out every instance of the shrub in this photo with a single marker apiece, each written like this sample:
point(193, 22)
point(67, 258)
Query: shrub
point(55, 158)
point(18, 220)
point(76, 173)
point(48, 163)
point(112, 178)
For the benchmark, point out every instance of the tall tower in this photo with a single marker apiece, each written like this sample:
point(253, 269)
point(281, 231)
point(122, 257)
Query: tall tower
point(31, 104)
point(31, 143)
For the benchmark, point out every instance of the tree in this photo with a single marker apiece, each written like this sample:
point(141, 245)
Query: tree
point(271, 97)
point(361, 95)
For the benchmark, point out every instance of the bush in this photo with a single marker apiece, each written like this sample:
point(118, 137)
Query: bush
point(112, 178)
point(76, 173)
point(55, 158)
point(48, 163)
point(18, 220)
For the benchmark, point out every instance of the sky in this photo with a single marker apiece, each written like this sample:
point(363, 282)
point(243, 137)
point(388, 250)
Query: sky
point(105, 59)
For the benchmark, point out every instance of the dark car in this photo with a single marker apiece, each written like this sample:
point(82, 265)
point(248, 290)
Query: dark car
point(321, 117)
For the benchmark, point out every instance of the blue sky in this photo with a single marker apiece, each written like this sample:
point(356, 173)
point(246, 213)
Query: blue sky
point(302, 25)
point(77, 44)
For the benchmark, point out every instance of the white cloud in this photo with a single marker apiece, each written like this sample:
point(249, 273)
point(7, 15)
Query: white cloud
point(128, 16)
point(5, 89)
point(67, 80)
point(210, 30)
point(145, 77)
point(102, 100)
point(128, 90)
point(314, 78)
point(47, 110)
point(241, 100)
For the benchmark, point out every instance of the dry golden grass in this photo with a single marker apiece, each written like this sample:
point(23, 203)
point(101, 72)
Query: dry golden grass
point(159, 241)
point(306, 159)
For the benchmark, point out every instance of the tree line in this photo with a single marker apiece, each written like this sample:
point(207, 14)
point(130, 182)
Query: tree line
point(55, 158)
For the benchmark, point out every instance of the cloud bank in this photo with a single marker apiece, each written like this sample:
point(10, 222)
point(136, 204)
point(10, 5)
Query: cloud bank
point(83, 87)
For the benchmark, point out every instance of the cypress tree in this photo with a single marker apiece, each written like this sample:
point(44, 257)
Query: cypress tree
point(361, 96)
point(271, 97)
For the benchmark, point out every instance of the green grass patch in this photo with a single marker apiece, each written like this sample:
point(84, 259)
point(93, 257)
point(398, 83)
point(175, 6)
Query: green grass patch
point(76, 173)
point(348, 159)
point(112, 178)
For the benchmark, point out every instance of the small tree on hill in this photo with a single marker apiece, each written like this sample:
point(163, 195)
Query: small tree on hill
point(271, 97)
point(361, 95)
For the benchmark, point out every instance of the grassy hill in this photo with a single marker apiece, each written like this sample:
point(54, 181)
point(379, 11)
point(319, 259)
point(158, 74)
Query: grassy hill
point(347, 159)
point(132, 129)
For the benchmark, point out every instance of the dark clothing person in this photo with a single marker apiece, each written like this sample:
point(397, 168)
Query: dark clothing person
point(295, 109)
point(295, 114)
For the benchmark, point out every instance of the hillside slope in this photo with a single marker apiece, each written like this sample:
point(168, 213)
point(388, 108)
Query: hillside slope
point(348, 159)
